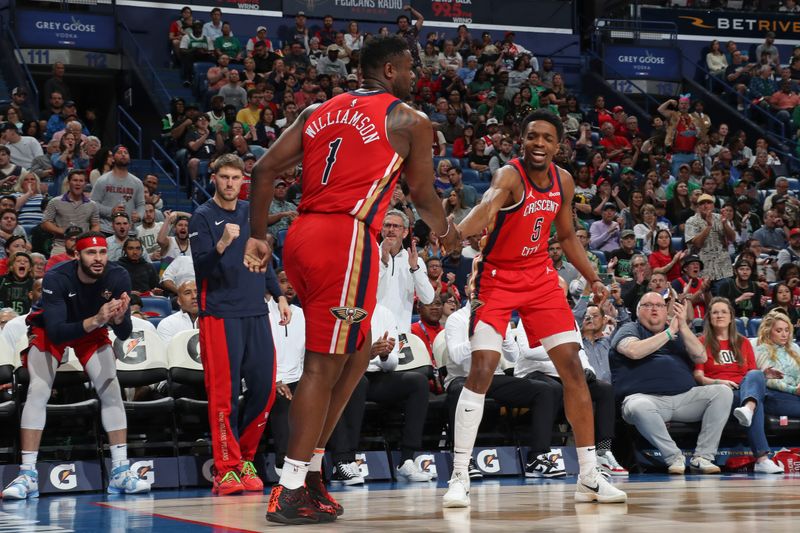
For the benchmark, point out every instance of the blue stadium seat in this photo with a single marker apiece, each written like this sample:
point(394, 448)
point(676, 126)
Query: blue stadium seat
point(453, 161)
point(282, 237)
point(740, 327)
point(481, 186)
point(677, 243)
point(600, 256)
point(794, 184)
point(471, 176)
point(157, 304)
point(448, 150)
point(155, 320)
point(464, 162)
point(752, 327)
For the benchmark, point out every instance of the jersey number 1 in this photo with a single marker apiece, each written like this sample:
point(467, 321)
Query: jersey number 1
point(334, 147)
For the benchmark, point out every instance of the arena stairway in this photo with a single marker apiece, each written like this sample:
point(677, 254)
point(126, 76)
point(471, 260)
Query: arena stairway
point(171, 77)
point(172, 199)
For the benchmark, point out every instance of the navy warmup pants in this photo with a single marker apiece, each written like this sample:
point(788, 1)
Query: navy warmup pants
point(233, 349)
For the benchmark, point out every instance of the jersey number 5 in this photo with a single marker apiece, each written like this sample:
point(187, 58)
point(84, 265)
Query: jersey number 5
point(537, 229)
point(334, 147)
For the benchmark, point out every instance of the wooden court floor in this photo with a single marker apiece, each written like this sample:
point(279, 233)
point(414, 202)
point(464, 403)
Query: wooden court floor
point(656, 503)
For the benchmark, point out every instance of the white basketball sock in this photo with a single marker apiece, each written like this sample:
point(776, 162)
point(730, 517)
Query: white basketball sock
point(316, 460)
point(587, 459)
point(469, 413)
point(119, 455)
point(29, 460)
point(293, 475)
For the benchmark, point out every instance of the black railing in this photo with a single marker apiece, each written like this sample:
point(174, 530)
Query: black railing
point(129, 130)
point(167, 166)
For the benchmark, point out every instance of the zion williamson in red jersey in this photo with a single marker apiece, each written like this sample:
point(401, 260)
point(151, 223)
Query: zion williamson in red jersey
point(514, 271)
point(353, 149)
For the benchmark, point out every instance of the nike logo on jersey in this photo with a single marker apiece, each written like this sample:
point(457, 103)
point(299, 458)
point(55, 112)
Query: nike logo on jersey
point(71, 294)
point(218, 222)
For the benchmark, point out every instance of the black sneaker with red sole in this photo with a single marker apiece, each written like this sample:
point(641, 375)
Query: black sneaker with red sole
point(319, 493)
point(295, 507)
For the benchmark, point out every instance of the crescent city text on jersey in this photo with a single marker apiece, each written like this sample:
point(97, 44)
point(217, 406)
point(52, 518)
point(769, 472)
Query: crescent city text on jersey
point(541, 205)
point(358, 120)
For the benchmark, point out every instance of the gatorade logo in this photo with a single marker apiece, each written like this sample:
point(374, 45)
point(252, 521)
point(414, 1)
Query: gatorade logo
point(206, 470)
point(131, 351)
point(426, 463)
point(361, 462)
point(145, 470)
point(488, 461)
point(63, 477)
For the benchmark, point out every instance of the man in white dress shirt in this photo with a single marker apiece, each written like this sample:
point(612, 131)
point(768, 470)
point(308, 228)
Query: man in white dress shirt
point(184, 319)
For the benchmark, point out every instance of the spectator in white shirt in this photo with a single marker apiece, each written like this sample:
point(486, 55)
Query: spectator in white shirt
point(181, 268)
point(177, 245)
point(290, 346)
point(402, 272)
point(186, 317)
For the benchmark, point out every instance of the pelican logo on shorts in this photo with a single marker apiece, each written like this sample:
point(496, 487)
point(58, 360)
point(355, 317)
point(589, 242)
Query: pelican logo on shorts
point(475, 304)
point(488, 461)
point(426, 463)
point(361, 463)
point(63, 477)
point(145, 470)
point(106, 294)
point(351, 315)
point(193, 348)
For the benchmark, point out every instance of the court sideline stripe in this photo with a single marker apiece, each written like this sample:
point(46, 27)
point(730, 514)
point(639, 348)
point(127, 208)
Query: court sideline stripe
point(215, 527)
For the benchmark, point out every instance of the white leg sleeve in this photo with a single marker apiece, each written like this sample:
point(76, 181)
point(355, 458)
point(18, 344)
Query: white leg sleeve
point(42, 369)
point(102, 371)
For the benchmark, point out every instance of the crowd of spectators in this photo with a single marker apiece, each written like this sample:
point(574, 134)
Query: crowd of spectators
point(678, 213)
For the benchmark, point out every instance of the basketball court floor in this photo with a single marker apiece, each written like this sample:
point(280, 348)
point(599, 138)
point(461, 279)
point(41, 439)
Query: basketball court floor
point(691, 504)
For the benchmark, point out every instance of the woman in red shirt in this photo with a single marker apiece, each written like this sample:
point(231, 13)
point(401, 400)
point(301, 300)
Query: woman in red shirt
point(731, 362)
point(663, 259)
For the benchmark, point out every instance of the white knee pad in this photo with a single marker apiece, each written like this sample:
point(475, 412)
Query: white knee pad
point(486, 338)
point(102, 371)
point(42, 370)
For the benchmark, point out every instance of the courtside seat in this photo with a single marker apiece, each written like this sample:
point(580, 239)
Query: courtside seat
point(8, 362)
point(186, 368)
point(141, 361)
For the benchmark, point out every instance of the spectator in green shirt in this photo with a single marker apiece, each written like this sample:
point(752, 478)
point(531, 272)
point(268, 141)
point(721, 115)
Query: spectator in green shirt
point(491, 109)
point(228, 44)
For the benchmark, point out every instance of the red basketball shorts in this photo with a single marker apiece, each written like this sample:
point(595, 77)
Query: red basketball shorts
point(534, 293)
point(84, 347)
point(332, 262)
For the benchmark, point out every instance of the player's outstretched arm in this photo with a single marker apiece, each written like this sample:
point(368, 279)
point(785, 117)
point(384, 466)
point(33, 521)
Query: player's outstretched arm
point(499, 195)
point(569, 241)
point(410, 132)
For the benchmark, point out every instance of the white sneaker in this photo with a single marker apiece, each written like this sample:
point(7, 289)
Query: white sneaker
point(544, 465)
point(409, 472)
point(359, 479)
point(703, 465)
point(608, 464)
point(347, 473)
point(677, 466)
point(744, 415)
point(125, 481)
point(25, 485)
point(457, 494)
point(768, 466)
point(595, 488)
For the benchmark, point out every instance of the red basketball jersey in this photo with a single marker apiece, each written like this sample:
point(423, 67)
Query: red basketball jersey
point(349, 167)
point(517, 238)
